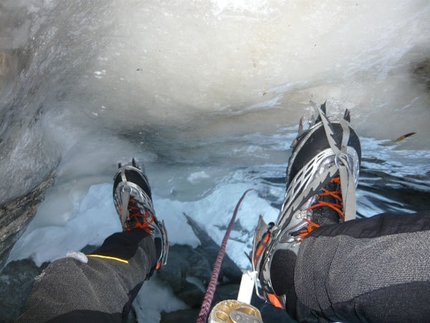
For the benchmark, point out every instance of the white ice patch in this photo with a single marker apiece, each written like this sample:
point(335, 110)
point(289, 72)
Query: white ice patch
point(197, 177)
point(213, 214)
point(155, 298)
point(95, 219)
point(246, 8)
point(178, 231)
point(99, 74)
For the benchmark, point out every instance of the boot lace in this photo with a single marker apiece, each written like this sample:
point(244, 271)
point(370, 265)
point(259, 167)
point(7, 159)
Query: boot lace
point(335, 204)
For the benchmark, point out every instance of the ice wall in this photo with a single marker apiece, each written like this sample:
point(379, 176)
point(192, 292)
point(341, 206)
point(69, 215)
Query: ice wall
point(206, 94)
point(80, 77)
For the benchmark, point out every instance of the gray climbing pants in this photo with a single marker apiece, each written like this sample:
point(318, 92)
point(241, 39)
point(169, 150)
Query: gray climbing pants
point(366, 270)
point(98, 288)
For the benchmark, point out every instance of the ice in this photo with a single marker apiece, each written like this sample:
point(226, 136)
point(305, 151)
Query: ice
point(76, 213)
point(153, 299)
point(213, 214)
point(409, 166)
point(208, 95)
point(160, 74)
point(95, 219)
point(56, 231)
point(197, 176)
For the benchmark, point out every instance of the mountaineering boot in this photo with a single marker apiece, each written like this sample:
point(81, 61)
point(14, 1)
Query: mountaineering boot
point(133, 202)
point(321, 178)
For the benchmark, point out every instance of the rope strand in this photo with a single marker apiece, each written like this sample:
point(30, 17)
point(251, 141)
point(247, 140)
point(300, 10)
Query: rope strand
point(207, 301)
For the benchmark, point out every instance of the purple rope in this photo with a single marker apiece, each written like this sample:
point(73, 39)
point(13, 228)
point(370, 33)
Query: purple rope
point(207, 301)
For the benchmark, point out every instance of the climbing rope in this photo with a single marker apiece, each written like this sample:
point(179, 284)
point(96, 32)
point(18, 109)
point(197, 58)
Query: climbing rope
point(207, 301)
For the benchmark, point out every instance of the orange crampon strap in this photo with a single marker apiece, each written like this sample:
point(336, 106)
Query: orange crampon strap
point(260, 246)
point(308, 229)
point(275, 300)
point(144, 222)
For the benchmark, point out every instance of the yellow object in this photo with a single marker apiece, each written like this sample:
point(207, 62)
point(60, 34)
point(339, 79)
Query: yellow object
point(233, 311)
point(109, 257)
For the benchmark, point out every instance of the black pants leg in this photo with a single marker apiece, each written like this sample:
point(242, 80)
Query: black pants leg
point(366, 270)
point(100, 290)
